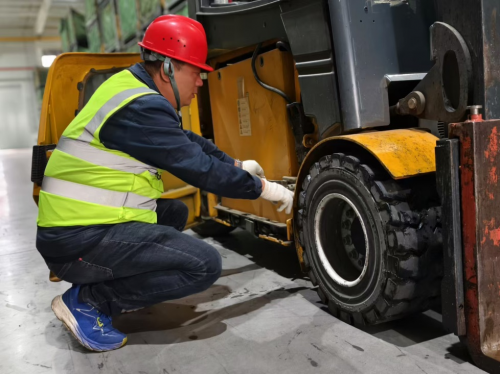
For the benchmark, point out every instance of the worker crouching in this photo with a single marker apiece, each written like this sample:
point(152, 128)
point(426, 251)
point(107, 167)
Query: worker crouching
point(102, 225)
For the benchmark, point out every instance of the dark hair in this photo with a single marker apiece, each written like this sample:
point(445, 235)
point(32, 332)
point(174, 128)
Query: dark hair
point(153, 67)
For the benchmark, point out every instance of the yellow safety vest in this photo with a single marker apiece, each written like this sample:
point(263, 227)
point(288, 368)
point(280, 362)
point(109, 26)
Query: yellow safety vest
point(86, 183)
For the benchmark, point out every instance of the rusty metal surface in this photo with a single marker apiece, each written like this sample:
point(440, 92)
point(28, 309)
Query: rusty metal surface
point(480, 167)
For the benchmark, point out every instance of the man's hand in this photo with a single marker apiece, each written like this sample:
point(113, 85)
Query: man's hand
point(252, 167)
point(277, 193)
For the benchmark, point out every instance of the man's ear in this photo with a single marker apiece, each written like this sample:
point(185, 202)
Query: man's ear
point(164, 77)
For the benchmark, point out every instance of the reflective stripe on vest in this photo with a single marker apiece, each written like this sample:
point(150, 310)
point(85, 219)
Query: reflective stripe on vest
point(94, 195)
point(89, 153)
point(106, 109)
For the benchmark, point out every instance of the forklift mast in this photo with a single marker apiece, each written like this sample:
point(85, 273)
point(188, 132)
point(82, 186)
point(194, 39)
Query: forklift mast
point(468, 164)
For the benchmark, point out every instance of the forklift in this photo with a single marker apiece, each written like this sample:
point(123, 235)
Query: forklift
point(380, 115)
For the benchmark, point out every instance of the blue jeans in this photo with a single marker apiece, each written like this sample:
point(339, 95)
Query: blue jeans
point(138, 264)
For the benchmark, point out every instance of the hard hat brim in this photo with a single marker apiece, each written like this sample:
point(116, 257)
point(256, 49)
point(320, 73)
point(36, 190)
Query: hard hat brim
point(204, 67)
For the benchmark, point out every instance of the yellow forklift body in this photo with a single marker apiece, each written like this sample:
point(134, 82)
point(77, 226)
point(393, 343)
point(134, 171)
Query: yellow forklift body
point(250, 122)
point(403, 153)
point(63, 97)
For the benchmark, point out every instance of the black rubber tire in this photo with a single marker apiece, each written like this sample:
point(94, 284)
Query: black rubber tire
point(402, 221)
point(211, 228)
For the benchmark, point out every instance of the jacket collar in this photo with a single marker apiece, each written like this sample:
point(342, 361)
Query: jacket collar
point(141, 74)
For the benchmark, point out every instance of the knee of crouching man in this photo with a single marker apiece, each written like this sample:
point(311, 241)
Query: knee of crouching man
point(213, 265)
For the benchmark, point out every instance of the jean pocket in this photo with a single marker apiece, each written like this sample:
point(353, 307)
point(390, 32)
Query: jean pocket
point(83, 272)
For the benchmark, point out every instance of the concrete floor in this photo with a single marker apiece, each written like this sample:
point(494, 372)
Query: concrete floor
point(260, 317)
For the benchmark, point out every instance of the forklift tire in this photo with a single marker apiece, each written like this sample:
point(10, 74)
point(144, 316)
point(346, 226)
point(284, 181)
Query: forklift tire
point(372, 244)
point(211, 228)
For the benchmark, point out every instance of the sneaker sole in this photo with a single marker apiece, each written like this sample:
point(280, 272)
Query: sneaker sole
point(64, 315)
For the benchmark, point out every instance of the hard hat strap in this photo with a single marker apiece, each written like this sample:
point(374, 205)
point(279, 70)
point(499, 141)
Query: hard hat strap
point(168, 67)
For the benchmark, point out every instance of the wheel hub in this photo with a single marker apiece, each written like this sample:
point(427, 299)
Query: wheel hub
point(341, 239)
point(350, 230)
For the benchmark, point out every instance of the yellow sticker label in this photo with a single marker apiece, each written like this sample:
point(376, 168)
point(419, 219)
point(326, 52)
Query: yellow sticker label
point(244, 117)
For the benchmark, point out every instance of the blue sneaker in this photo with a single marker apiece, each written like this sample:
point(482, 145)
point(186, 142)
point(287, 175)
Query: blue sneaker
point(90, 327)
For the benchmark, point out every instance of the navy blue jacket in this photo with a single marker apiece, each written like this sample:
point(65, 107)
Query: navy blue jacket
point(149, 130)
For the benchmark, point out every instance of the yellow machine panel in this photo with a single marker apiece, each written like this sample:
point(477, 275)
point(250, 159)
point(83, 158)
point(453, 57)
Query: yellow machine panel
point(62, 96)
point(251, 123)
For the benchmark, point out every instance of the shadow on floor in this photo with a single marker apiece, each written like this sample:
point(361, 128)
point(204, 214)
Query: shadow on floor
point(411, 330)
point(458, 352)
point(271, 256)
point(169, 315)
point(171, 322)
point(228, 272)
point(190, 325)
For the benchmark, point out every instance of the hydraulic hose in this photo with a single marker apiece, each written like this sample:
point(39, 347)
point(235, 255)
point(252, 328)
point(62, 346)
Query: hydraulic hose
point(267, 87)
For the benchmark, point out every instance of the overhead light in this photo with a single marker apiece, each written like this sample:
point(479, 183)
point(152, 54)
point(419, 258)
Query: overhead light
point(47, 60)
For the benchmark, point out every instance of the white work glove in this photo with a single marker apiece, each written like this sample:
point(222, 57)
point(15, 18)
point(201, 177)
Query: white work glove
point(277, 193)
point(253, 168)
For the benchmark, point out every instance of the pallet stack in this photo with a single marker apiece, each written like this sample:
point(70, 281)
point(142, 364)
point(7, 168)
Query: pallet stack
point(108, 20)
point(115, 25)
point(129, 25)
point(73, 33)
point(177, 7)
point(92, 27)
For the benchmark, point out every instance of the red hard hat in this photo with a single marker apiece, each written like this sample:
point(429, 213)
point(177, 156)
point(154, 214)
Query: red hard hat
point(178, 37)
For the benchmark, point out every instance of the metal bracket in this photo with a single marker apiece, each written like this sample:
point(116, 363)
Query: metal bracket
point(259, 226)
point(444, 92)
point(302, 127)
point(39, 161)
point(448, 182)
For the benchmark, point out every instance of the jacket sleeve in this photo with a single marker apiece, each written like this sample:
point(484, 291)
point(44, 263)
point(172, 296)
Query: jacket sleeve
point(209, 148)
point(148, 130)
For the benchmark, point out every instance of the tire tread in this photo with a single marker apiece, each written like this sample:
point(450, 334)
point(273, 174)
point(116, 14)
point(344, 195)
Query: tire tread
point(414, 244)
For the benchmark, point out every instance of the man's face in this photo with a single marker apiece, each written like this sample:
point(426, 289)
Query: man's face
point(188, 81)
